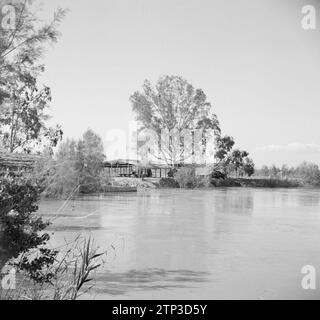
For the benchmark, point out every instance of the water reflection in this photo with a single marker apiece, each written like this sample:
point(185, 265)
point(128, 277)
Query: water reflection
point(234, 201)
point(309, 198)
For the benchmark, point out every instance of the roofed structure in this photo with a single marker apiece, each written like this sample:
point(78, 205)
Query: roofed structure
point(17, 161)
point(128, 168)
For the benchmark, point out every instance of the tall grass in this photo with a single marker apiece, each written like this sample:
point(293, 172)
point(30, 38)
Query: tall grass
point(72, 275)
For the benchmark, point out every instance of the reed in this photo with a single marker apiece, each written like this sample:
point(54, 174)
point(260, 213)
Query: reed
point(71, 277)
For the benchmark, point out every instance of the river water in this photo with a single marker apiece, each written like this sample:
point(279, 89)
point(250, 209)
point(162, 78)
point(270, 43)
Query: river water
point(234, 243)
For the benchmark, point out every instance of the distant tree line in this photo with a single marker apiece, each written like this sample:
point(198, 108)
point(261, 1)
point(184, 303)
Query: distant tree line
point(306, 172)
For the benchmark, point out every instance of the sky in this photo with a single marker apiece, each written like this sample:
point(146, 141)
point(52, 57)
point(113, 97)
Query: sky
point(258, 67)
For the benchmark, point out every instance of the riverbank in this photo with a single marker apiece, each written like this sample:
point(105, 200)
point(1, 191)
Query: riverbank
point(124, 185)
point(238, 182)
point(205, 182)
point(256, 183)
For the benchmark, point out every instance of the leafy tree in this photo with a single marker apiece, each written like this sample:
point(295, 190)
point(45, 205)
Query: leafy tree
point(23, 103)
point(169, 110)
point(21, 229)
point(23, 45)
point(23, 120)
point(248, 167)
point(285, 171)
point(90, 161)
point(62, 172)
point(77, 166)
point(223, 146)
point(22, 128)
point(229, 160)
point(309, 173)
point(237, 159)
point(274, 171)
point(264, 171)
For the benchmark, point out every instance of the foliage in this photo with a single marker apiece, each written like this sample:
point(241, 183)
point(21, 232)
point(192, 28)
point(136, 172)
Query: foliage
point(77, 167)
point(264, 171)
point(37, 268)
point(66, 275)
point(168, 183)
point(307, 173)
point(218, 173)
point(231, 160)
point(23, 119)
point(171, 109)
point(236, 159)
point(21, 229)
point(223, 146)
point(187, 178)
point(90, 162)
point(20, 225)
point(22, 47)
point(23, 103)
point(61, 173)
point(248, 167)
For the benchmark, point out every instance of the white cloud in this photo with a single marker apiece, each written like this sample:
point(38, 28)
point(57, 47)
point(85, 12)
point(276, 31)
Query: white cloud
point(296, 146)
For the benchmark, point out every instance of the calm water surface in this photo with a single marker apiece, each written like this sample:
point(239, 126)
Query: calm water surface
point(198, 244)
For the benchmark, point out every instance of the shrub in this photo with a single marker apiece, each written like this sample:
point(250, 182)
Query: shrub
point(77, 167)
point(61, 179)
point(187, 178)
point(168, 183)
point(309, 173)
point(21, 229)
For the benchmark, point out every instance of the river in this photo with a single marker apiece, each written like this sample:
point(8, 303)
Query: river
point(233, 243)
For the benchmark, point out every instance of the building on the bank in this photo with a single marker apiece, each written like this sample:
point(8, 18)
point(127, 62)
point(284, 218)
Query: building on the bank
point(15, 161)
point(135, 168)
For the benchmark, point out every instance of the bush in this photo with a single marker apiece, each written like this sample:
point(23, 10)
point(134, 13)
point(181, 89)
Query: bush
point(21, 229)
point(23, 243)
point(61, 179)
point(218, 174)
point(309, 173)
point(187, 178)
point(77, 168)
point(168, 183)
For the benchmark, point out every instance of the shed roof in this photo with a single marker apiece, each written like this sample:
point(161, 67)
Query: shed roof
point(15, 160)
point(120, 163)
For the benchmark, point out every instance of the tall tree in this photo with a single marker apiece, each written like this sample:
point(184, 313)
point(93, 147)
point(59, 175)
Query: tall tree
point(240, 162)
point(174, 111)
point(23, 102)
point(90, 161)
point(77, 166)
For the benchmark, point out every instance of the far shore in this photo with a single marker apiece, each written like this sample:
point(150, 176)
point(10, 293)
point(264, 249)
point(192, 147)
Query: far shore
point(119, 184)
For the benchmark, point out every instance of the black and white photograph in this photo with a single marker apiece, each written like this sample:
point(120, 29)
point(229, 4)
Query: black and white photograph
point(159, 150)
